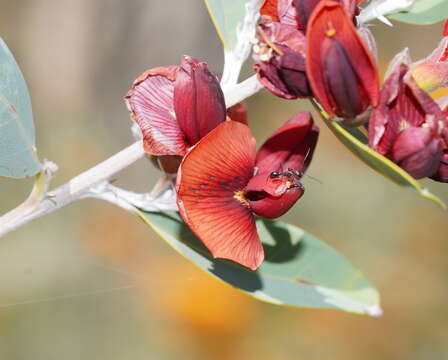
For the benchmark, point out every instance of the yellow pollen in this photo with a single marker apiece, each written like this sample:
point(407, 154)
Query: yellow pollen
point(289, 184)
point(330, 32)
point(240, 195)
point(403, 125)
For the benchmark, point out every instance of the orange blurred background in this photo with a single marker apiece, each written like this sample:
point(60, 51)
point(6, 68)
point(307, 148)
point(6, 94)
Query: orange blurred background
point(92, 282)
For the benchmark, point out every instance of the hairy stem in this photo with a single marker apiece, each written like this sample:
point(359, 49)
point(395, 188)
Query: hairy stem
point(81, 185)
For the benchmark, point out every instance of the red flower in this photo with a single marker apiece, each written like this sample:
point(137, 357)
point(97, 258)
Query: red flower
point(279, 56)
point(340, 67)
point(282, 11)
point(407, 125)
point(297, 12)
point(222, 181)
point(175, 106)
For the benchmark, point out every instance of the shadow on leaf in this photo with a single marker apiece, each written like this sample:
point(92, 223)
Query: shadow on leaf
point(284, 250)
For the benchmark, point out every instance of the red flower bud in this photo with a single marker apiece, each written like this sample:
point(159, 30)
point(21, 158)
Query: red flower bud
point(417, 151)
point(407, 124)
point(198, 100)
point(280, 62)
point(217, 191)
point(340, 67)
point(175, 106)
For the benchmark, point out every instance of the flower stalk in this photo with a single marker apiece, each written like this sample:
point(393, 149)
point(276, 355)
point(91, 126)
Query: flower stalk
point(84, 185)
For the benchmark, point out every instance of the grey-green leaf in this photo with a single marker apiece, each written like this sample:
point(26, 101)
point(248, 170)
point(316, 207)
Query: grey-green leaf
point(356, 142)
point(18, 157)
point(298, 270)
point(423, 12)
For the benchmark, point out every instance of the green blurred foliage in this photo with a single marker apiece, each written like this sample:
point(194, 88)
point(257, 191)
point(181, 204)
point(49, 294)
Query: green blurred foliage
point(90, 281)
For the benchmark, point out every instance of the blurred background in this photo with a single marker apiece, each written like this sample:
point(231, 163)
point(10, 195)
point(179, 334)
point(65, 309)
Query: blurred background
point(92, 282)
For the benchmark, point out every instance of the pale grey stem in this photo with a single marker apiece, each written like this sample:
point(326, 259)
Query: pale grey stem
point(377, 9)
point(84, 184)
point(245, 32)
point(242, 91)
point(130, 200)
point(75, 188)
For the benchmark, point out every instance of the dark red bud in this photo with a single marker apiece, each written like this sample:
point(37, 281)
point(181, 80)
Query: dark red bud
point(417, 151)
point(346, 93)
point(198, 100)
point(280, 62)
point(340, 68)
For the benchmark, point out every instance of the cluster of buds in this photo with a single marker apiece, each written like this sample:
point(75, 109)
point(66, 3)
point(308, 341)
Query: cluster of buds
point(221, 180)
point(314, 48)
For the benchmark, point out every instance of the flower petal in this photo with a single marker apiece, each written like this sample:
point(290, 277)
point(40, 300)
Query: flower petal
point(269, 10)
point(329, 25)
point(150, 102)
point(238, 112)
point(403, 104)
point(417, 152)
point(291, 146)
point(432, 72)
point(272, 207)
point(198, 100)
point(208, 182)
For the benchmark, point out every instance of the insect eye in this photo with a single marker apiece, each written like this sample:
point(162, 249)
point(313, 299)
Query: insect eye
point(274, 174)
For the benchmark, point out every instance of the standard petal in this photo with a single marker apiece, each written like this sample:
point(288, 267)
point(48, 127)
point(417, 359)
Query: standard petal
point(291, 146)
point(150, 102)
point(329, 24)
point(210, 187)
point(198, 100)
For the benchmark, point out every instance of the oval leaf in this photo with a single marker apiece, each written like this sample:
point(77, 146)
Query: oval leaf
point(18, 157)
point(299, 270)
point(355, 141)
point(226, 16)
point(423, 12)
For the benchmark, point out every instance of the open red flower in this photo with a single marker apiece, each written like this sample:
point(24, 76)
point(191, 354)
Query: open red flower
point(408, 125)
point(222, 181)
point(175, 106)
point(340, 67)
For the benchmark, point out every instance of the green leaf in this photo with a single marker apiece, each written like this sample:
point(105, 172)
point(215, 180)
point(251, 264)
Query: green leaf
point(298, 270)
point(423, 12)
point(226, 15)
point(18, 157)
point(356, 141)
